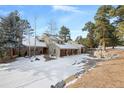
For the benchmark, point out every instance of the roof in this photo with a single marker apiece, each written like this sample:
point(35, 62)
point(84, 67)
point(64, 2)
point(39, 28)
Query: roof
point(32, 42)
point(53, 37)
point(78, 45)
point(66, 46)
point(69, 46)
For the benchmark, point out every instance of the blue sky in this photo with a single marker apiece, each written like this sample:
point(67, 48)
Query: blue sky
point(73, 17)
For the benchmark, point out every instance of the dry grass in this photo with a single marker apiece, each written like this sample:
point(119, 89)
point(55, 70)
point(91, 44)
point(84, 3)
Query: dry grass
point(108, 74)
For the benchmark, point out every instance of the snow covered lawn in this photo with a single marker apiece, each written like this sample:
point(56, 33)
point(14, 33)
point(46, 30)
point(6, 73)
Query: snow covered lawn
point(120, 47)
point(24, 73)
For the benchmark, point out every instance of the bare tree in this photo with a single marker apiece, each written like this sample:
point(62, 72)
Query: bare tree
point(30, 32)
point(35, 29)
point(52, 27)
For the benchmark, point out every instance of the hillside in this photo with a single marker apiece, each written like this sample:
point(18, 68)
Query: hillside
point(108, 74)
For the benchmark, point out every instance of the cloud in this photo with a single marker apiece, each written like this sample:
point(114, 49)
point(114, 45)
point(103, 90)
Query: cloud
point(72, 9)
point(66, 8)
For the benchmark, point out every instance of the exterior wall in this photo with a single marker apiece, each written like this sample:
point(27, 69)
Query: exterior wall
point(45, 50)
point(68, 52)
point(82, 50)
point(58, 52)
point(65, 52)
point(14, 52)
point(79, 51)
point(39, 50)
point(52, 49)
point(10, 54)
point(24, 51)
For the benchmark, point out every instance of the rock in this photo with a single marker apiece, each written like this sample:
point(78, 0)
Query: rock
point(52, 86)
point(78, 73)
point(98, 54)
point(102, 54)
point(37, 59)
point(60, 84)
point(79, 63)
point(83, 61)
point(32, 61)
point(73, 63)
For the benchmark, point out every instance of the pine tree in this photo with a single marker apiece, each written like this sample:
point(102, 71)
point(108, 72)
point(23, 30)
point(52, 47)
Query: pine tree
point(13, 29)
point(103, 25)
point(90, 27)
point(118, 14)
point(2, 48)
point(64, 33)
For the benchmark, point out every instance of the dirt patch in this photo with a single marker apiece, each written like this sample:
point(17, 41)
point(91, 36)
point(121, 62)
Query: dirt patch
point(107, 74)
point(90, 63)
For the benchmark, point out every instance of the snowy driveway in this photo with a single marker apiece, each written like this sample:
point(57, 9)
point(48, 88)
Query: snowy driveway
point(24, 73)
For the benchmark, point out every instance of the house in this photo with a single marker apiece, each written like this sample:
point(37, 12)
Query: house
point(46, 44)
point(11, 51)
point(68, 49)
point(39, 47)
point(57, 47)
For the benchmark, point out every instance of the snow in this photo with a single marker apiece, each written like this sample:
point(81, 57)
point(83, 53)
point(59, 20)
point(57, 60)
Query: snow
point(55, 38)
point(117, 47)
point(120, 47)
point(79, 45)
point(67, 46)
point(71, 82)
point(24, 73)
point(32, 42)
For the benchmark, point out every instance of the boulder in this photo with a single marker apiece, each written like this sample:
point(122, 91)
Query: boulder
point(98, 54)
point(105, 54)
point(37, 59)
point(52, 86)
point(60, 84)
point(102, 54)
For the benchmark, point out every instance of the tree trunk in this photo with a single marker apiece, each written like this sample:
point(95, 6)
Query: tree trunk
point(19, 54)
point(104, 46)
point(113, 47)
point(11, 52)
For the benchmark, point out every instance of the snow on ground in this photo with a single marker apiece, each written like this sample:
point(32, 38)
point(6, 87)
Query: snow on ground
point(117, 47)
point(120, 47)
point(24, 73)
